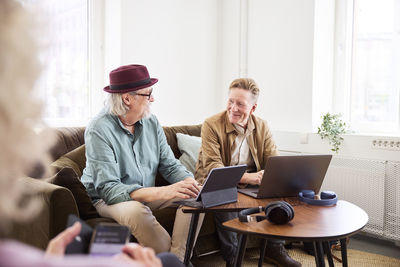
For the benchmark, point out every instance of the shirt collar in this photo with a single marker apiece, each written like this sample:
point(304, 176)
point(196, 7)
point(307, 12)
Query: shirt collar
point(250, 124)
point(231, 128)
point(118, 121)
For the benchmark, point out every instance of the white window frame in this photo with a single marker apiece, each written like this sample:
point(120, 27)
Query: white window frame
point(343, 72)
point(97, 76)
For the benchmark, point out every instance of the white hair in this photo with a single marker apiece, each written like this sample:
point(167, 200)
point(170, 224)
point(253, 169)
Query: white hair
point(116, 105)
point(22, 147)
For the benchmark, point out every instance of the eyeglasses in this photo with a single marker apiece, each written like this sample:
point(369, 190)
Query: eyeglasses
point(148, 95)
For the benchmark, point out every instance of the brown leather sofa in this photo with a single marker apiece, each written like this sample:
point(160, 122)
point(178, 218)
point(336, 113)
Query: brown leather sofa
point(64, 194)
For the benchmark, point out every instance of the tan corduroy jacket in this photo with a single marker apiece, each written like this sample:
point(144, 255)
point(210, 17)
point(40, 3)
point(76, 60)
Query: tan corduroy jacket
point(218, 136)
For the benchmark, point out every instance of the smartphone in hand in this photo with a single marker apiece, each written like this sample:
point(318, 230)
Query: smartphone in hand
point(108, 239)
point(80, 244)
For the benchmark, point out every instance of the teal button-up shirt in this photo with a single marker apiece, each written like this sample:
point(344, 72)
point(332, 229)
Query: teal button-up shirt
point(119, 162)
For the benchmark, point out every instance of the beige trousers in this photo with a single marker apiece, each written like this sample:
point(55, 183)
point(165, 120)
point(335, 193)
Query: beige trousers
point(147, 230)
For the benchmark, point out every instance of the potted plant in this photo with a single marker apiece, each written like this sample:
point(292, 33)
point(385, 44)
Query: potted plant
point(332, 128)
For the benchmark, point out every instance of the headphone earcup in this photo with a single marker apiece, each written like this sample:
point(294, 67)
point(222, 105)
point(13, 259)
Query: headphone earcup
point(327, 195)
point(308, 194)
point(290, 210)
point(279, 212)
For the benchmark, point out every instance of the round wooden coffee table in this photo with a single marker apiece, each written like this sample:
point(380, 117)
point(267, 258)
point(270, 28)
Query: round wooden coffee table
point(317, 224)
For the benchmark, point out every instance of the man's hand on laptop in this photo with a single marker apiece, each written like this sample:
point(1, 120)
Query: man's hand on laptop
point(188, 188)
point(253, 178)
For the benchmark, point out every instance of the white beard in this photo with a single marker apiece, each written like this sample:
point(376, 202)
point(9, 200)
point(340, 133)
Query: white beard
point(147, 113)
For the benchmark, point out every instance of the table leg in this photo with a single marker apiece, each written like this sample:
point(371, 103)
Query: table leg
point(328, 253)
point(319, 254)
point(343, 246)
point(241, 249)
point(262, 252)
point(190, 241)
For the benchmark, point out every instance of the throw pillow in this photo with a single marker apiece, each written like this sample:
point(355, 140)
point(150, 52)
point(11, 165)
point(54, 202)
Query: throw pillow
point(189, 147)
point(67, 178)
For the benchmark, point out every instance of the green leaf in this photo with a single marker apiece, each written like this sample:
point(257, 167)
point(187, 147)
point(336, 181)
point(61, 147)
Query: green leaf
point(331, 128)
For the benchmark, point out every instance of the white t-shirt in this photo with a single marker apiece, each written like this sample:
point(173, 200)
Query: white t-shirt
point(240, 149)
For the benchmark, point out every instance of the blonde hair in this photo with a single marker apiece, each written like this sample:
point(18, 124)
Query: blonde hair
point(246, 84)
point(22, 147)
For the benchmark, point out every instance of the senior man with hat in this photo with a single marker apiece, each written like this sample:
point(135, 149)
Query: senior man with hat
point(125, 147)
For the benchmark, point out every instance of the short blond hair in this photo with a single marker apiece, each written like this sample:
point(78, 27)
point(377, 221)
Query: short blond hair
point(246, 84)
point(20, 111)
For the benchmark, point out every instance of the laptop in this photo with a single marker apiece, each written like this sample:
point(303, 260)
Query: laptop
point(219, 188)
point(286, 176)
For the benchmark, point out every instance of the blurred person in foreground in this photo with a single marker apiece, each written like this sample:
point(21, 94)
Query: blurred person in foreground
point(22, 148)
point(233, 137)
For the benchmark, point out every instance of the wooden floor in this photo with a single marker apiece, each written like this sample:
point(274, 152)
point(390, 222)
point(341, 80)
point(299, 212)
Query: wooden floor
point(362, 250)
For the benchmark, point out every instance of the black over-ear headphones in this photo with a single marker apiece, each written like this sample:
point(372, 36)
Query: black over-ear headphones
point(327, 198)
point(278, 212)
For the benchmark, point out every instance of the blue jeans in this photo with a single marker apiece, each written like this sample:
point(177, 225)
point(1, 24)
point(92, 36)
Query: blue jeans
point(227, 239)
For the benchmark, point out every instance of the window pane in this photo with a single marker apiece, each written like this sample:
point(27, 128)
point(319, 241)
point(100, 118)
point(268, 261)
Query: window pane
point(63, 85)
point(376, 64)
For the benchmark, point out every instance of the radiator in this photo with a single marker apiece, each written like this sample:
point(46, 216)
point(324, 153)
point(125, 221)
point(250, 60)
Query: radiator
point(373, 185)
point(392, 201)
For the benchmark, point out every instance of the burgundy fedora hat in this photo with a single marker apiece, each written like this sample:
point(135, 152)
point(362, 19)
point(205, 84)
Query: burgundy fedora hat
point(129, 78)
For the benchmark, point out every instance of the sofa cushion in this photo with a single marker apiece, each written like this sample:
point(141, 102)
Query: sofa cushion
point(67, 139)
point(171, 131)
point(67, 178)
point(74, 159)
point(170, 134)
point(189, 146)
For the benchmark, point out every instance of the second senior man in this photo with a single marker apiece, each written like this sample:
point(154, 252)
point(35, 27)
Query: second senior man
point(232, 137)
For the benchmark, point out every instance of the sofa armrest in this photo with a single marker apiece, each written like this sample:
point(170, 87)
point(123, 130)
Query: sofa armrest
point(57, 203)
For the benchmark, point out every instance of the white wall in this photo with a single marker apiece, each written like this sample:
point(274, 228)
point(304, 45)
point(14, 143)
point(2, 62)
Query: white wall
point(197, 47)
point(177, 40)
point(194, 48)
point(280, 60)
point(229, 47)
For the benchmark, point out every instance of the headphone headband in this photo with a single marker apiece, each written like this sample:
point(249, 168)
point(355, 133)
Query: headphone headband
point(328, 198)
